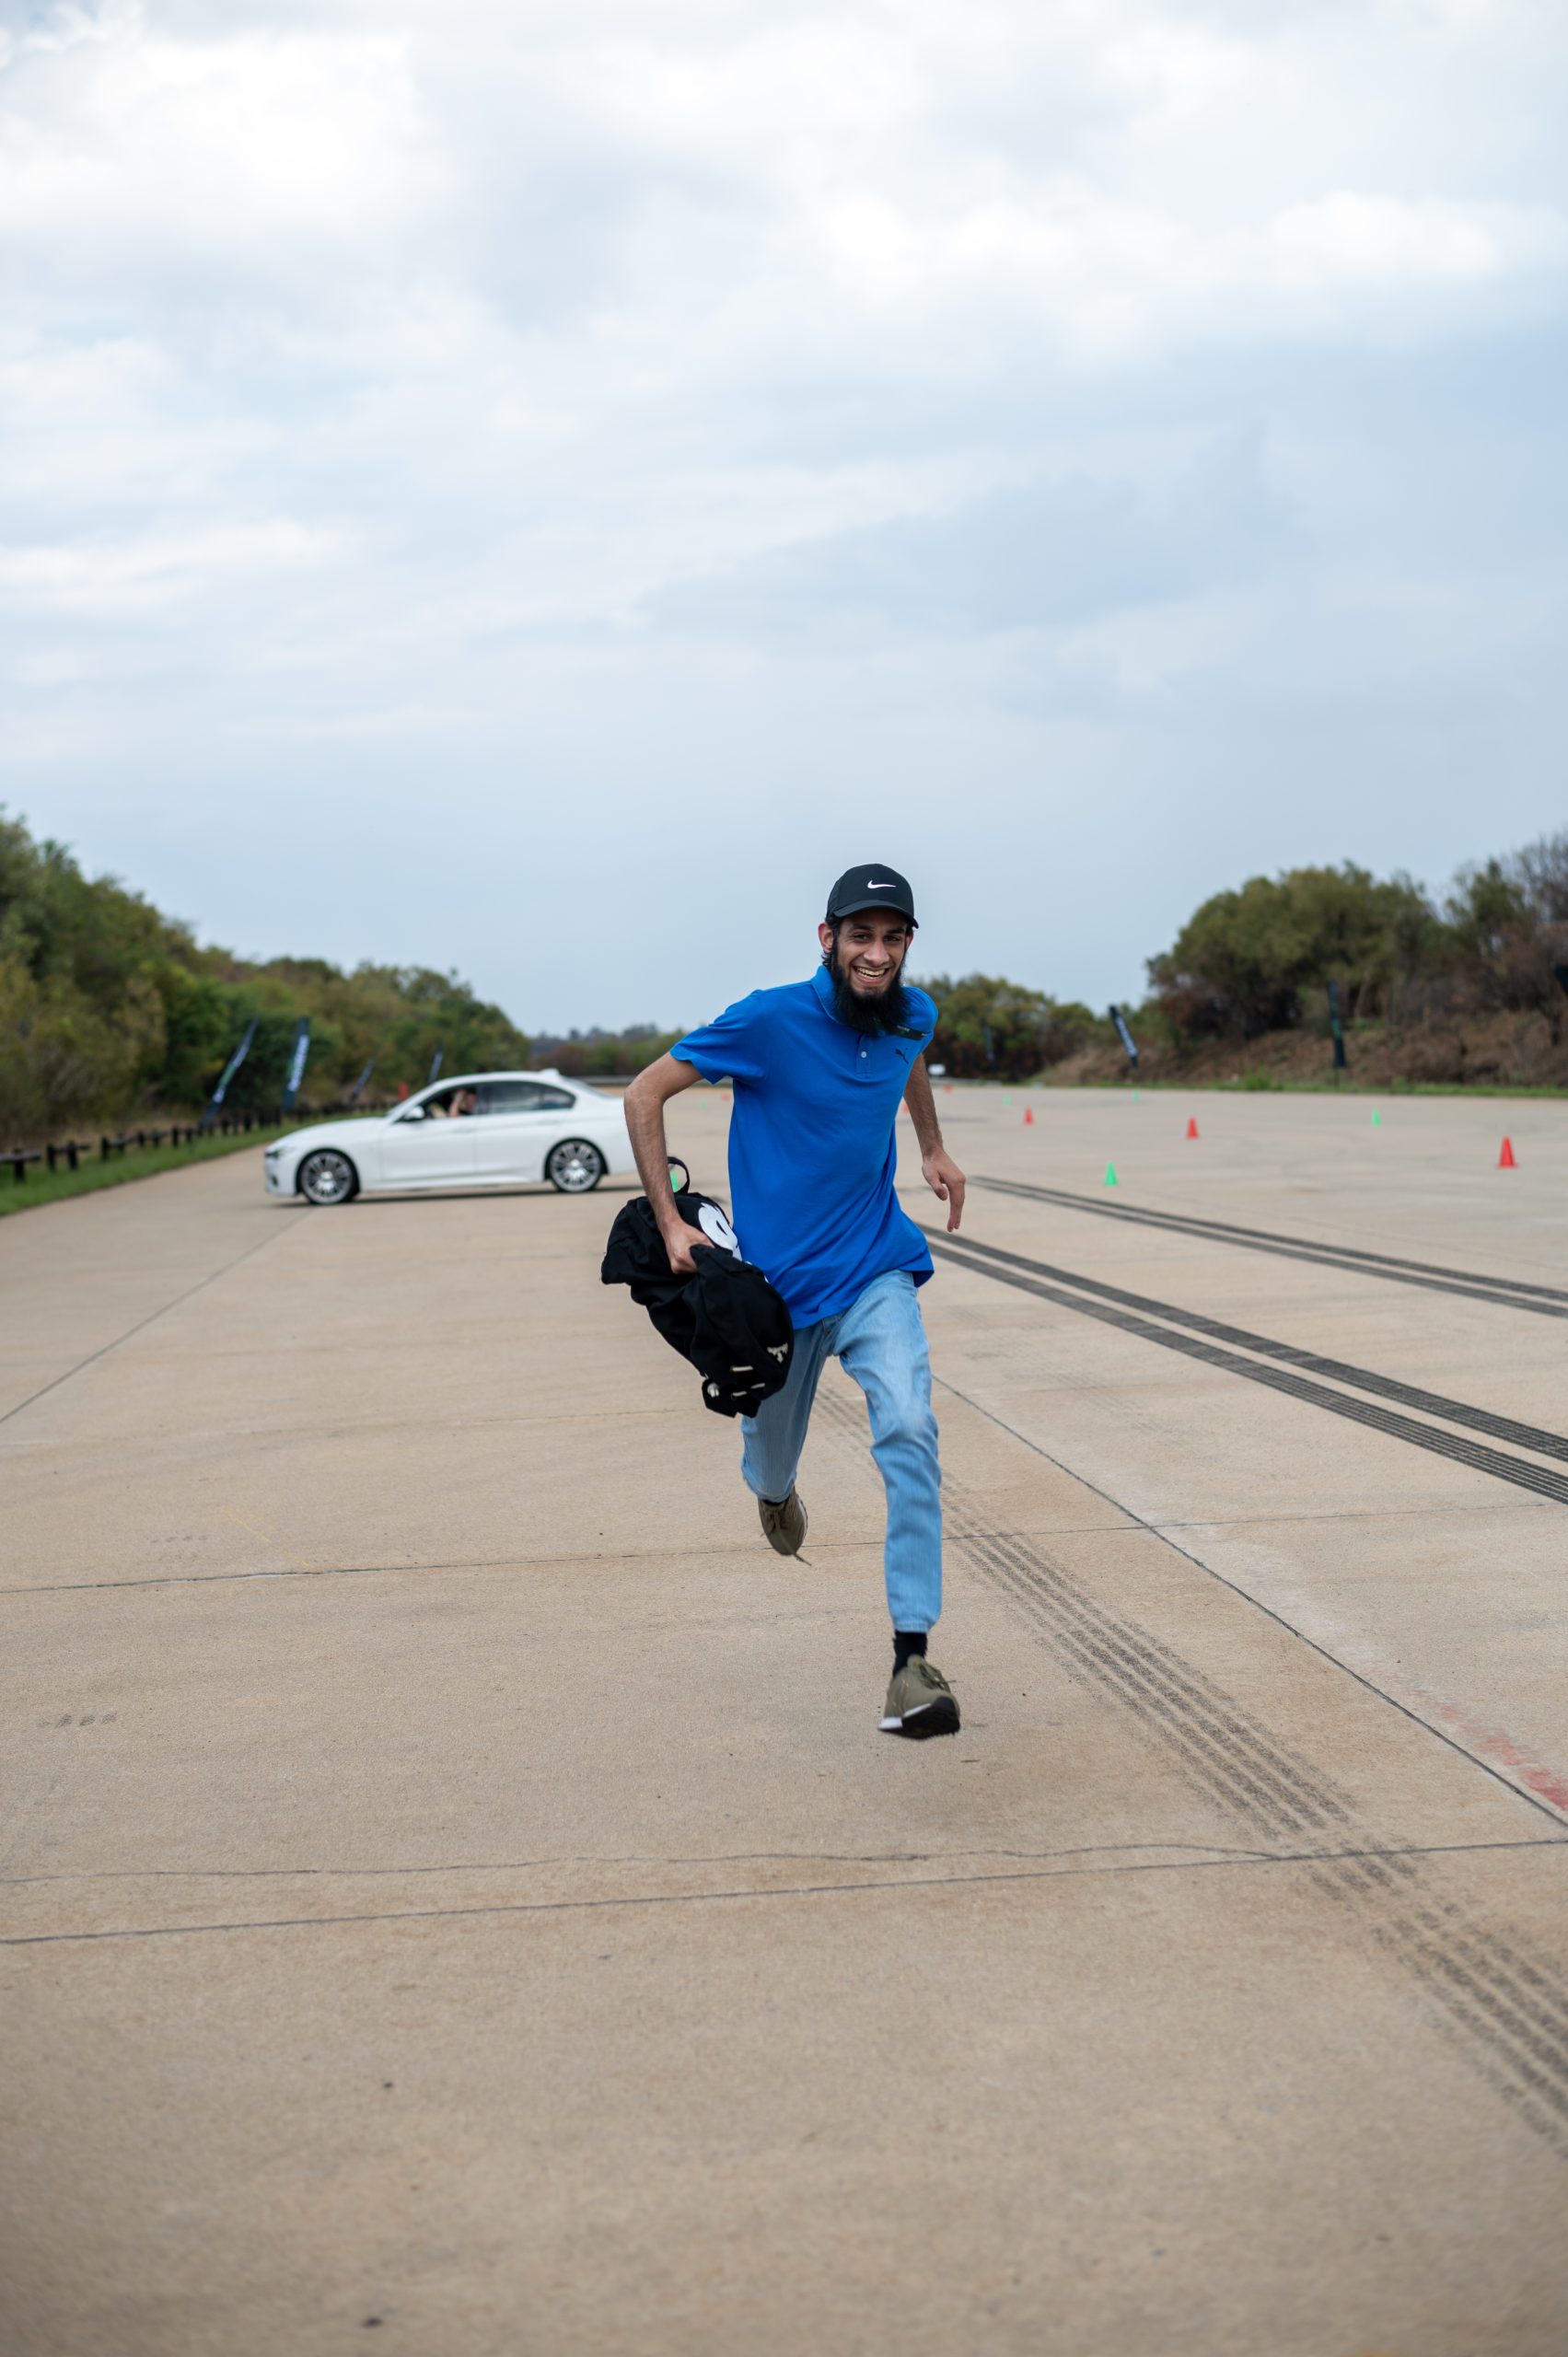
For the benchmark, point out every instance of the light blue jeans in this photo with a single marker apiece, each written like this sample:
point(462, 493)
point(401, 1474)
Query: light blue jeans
point(881, 1340)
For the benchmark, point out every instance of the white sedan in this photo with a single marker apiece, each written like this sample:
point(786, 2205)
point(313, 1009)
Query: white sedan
point(486, 1128)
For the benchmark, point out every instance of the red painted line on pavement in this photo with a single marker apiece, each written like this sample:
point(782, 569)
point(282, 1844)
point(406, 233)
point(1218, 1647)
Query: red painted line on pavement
point(1549, 1784)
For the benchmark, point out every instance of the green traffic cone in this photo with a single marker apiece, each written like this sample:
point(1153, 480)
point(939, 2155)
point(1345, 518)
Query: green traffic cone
point(1111, 1178)
point(1377, 1121)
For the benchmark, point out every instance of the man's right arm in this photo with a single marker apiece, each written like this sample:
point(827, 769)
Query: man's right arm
point(646, 1101)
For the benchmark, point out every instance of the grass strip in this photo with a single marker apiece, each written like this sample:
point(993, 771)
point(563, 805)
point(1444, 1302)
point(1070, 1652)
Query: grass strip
point(43, 1185)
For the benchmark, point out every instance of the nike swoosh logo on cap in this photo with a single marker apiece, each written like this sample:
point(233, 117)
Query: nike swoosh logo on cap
point(872, 885)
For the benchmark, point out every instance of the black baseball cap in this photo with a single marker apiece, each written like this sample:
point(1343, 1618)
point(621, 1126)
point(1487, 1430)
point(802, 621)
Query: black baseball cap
point(876, 887)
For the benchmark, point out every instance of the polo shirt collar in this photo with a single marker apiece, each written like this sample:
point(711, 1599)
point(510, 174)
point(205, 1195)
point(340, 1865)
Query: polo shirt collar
point(822, 984)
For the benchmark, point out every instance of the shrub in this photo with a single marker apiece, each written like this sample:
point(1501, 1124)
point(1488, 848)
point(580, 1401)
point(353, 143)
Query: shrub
point(1242, 963)
point(988, 1028)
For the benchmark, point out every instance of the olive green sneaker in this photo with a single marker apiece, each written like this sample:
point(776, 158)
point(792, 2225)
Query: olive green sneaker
point(920, 1701)
point(783, 1526)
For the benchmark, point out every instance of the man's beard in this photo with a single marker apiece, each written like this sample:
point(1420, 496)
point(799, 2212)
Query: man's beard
point(888, 1011)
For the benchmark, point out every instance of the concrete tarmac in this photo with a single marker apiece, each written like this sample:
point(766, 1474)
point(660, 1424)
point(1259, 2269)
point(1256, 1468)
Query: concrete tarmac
point(456, 1897)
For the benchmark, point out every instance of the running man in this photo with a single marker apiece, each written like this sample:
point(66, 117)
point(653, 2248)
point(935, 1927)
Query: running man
point(820, 1068)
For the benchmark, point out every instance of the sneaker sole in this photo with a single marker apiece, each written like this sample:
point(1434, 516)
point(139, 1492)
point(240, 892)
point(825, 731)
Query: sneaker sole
point(940, 1717)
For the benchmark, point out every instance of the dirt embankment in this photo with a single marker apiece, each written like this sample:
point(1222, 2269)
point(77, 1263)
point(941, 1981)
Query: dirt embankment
point(1504, 1051)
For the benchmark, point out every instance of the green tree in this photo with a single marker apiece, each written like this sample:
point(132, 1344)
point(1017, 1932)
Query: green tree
point(106, 1006)
point(81, 1017)
point(604, 1055)
point(1509, 920)
point(1243, 963)
point(987, 1028)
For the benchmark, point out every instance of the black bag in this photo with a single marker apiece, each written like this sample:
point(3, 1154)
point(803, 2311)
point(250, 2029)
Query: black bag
point(726, 1319)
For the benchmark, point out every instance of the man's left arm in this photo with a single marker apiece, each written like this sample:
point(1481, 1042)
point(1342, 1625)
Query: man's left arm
point(942, 1174)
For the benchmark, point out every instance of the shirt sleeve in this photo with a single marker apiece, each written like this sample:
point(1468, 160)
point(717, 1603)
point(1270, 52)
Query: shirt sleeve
point(926, 1012)
point(730, 1047)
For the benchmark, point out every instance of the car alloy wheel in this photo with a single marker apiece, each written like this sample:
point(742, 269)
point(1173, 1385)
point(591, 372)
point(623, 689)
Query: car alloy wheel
point(574, 1168)
point(327, 1176)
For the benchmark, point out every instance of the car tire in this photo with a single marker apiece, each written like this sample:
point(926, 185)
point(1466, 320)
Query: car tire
point(327, 1176)
point(574, 1168)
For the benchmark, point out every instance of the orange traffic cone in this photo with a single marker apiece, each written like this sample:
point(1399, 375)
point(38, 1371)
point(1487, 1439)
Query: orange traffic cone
point(1191, 1125)
point(1505, 1159)
point(1029, 1114)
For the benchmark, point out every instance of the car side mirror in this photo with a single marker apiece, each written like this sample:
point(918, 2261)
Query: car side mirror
point(415, 1113)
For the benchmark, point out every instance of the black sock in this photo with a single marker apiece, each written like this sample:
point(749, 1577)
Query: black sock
point(905, 1643)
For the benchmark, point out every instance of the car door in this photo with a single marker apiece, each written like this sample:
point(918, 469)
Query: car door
point(518, 1122)
point(421, 1149)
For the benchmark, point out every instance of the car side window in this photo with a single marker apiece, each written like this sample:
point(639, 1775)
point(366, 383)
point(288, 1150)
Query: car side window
point(524, 1097)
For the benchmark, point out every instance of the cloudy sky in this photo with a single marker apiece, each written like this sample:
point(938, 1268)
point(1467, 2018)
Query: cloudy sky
point(540, 485)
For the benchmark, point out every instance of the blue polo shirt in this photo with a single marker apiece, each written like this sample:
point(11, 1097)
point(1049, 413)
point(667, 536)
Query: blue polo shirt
point(811, 1148)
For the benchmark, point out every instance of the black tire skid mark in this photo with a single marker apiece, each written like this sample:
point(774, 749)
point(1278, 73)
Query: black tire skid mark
point(1499, 1996)
point(1503, 1293)
point(1514, 1469)
point(1502, 2011)
point(1234, 1755)
point(1480, 2001)
point(1242, 1769)
point(1228, 1753)
point(1384, 1386)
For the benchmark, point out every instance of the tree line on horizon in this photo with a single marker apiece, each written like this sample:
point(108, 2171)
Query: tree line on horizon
point(1257, 959)
point(109, 1009)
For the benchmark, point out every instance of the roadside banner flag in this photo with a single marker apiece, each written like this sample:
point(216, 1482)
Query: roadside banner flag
point(1125, 1035)
point(297, 1062)
point(435, 1068)
point(353, 1093)
point(1335, 1026)
point(210, 1116)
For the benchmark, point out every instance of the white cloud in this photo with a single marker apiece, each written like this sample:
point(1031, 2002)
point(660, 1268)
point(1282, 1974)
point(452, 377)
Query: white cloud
point(508, 394)
point(119, 133)
point(130, 578)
